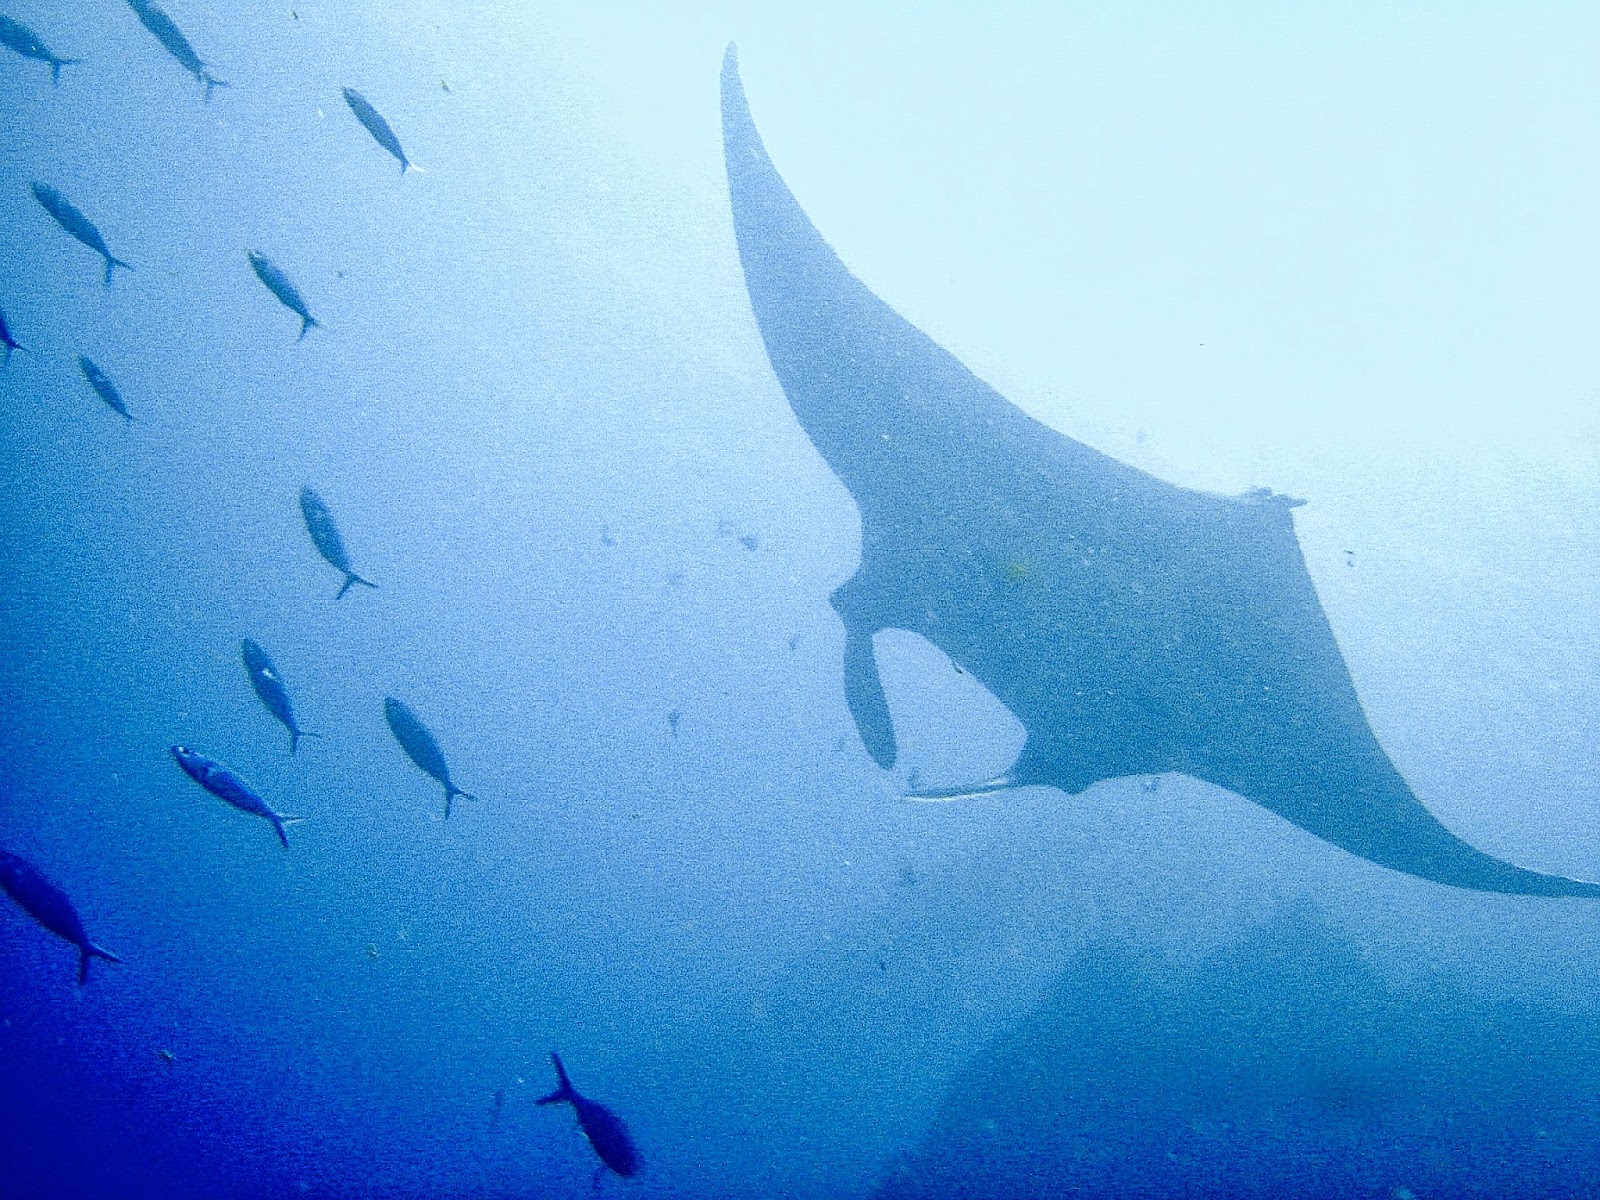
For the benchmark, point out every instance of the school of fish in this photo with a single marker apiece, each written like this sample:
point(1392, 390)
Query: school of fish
point(27, 885)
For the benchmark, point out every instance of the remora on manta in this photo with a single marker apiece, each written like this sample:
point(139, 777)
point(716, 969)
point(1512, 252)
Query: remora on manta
point(1161, 629)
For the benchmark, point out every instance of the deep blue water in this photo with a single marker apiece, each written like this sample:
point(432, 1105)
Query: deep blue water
point(541, 412)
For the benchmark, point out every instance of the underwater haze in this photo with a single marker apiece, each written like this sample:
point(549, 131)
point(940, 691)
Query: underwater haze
point(591, 766)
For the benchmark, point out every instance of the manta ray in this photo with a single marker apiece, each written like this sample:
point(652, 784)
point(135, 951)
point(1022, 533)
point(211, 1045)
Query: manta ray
point(1132, 626)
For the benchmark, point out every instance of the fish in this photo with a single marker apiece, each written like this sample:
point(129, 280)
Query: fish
point(225, 785)
point(1133, 627)
point(325, 536)
point(67, 216)
point(373, 120)
point(264, 678)
point(14, 35)
point(48, 904)
point(604, 1129)
point(154, 18)
point(9, 342)
point(278, 284)
point(103, 387)
point(421, 748)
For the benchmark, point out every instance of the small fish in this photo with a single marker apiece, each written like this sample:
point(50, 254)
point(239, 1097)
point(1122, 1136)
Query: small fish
point(269, 688)
point(103, 387)
point(79, 226)
point(155, 19)
point(225, 785)
point(278, 284)
point(14, 35)
point(325, 536)
point(9, 342)
point(167, 1056)
point(604, 1129)
point(376, 125)
point(48, 905)
point(418, 742)
point(673, 718)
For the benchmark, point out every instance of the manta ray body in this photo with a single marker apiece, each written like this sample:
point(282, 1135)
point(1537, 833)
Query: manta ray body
point(1132, 626)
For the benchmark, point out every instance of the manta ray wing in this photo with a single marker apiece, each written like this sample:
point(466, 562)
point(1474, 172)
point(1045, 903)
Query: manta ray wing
point(1132, 626)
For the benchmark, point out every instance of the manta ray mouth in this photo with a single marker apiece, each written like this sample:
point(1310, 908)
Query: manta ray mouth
point(1154, 629)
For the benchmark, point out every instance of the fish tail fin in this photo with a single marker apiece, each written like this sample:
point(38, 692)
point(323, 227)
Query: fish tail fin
point(350, 579)
point(296, 734)
point(280, 823)
point(55, 68)
point(113, 262)
point(12, 347)
point(451, 791)
point(308, 322)
point(1004, 783)
point(88, 951)
point(212, 83)
point(565, 1092)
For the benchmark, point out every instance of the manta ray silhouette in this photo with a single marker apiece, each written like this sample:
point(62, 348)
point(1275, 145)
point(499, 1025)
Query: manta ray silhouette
point(1132, 626)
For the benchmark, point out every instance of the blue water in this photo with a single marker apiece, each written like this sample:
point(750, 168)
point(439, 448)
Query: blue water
point(1347, 260)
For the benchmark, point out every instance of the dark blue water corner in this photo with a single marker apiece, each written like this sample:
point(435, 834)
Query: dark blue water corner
point(1016, 593)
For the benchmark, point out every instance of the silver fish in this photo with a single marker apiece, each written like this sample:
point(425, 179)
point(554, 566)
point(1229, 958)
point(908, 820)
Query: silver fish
point(225, 785)
point(154, 18)
point(278, 284)
point(269, 688)
point(417, 740)
point(103, 387)
point(325, 536)
point(375, 125)
point(48, 905)
point(14, 35)
point(67, 216)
